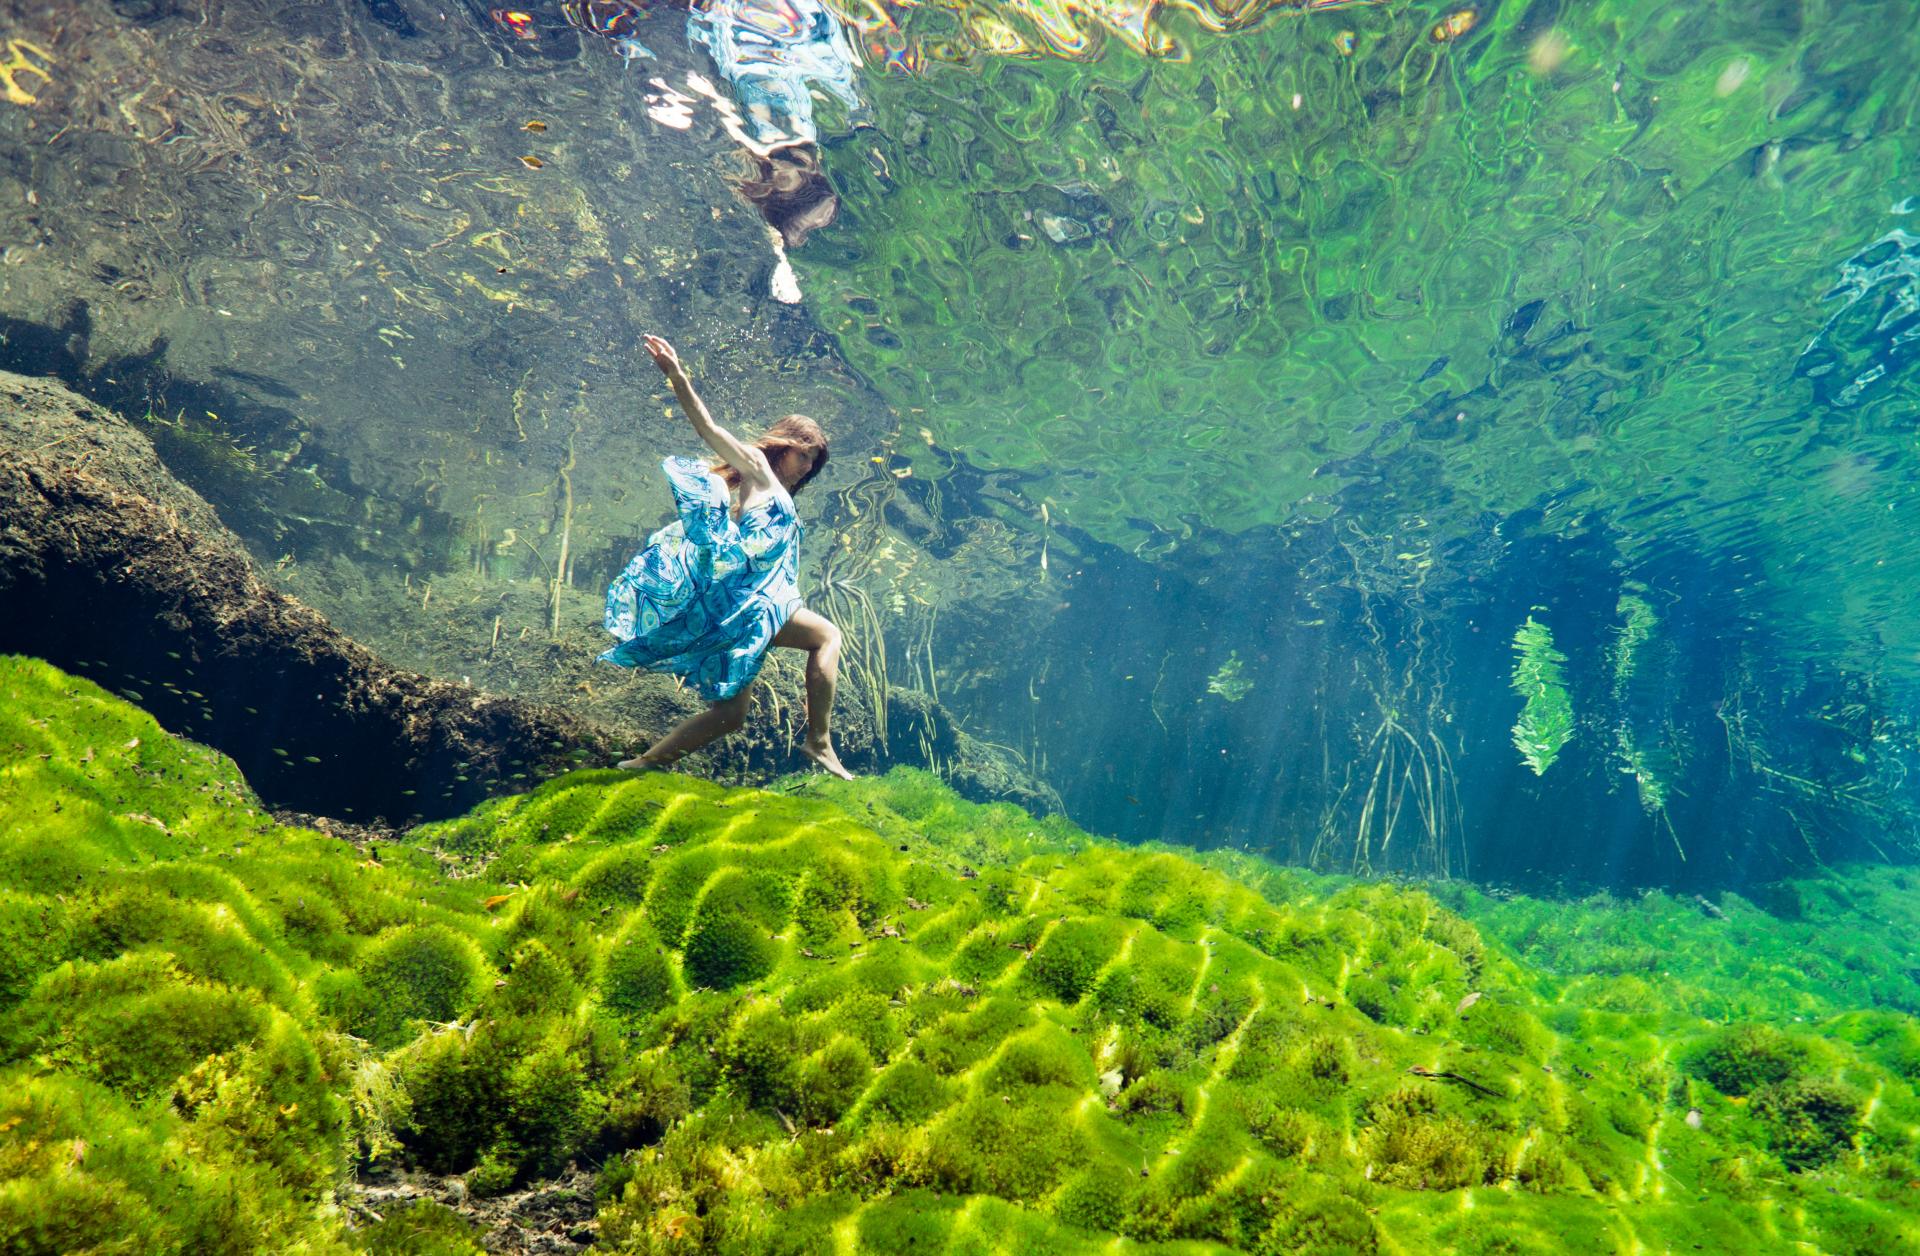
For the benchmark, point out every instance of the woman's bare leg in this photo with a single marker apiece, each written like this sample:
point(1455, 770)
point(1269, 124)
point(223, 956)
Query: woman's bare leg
point(815, 634)
point(690, 734)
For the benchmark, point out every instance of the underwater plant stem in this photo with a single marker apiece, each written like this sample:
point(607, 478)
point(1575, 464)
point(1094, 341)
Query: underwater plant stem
point(1154, 694)
point(926, 649)
point(1675, 836)
point(537, 554)
point(1403, 774)
point(559, 573)
point(852, 611)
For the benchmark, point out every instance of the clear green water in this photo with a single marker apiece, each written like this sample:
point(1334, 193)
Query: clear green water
point(1327, 344)
point(1472, 444)
point(1582, 260)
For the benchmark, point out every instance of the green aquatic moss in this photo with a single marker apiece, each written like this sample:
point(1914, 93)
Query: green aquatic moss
point(868, 1015)
point(1807, 957)
point(1546, 720)
point(1809, 1120)
point(420, 1229)
point(1741, 1060)
point(411, 974)
point(637, 977)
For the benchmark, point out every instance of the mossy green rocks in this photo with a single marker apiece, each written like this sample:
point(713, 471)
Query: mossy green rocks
point(844, 1018)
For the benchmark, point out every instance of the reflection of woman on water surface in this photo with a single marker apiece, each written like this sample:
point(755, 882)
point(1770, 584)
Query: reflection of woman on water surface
point(714, 589)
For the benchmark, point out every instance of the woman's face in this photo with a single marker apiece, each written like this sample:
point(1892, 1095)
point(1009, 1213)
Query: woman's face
point(791, 465)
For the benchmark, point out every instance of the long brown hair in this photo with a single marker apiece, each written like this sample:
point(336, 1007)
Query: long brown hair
point(791, 191)
point(796, 432)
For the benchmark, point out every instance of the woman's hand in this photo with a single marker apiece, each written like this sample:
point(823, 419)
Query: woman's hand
point(664, 356)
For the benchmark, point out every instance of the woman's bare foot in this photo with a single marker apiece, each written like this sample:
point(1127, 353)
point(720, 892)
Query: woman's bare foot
point(640, 764)
point(821, 752)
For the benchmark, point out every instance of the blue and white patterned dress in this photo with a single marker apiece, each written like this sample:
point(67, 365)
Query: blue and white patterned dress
point(704, 599)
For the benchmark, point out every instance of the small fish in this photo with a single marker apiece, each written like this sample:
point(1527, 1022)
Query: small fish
point(1708, 908)
point(535, 126)
point(531, 162)
point(1694, 1119)
point(494, 902)
point(1467, 1002)
point(313, 758)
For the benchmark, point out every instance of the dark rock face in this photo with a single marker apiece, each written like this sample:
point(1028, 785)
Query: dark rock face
point(555, 1216)
point(111, 567)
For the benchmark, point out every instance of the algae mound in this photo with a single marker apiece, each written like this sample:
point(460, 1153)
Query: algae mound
point(850, 1017)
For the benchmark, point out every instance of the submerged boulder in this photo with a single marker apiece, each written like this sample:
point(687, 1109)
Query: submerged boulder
point(113, 568)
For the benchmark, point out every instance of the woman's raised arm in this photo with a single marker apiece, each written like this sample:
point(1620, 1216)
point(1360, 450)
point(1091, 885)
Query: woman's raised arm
point(742, 457)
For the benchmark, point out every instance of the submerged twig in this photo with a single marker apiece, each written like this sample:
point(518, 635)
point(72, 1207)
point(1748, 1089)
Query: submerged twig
point(1442, 1075)
point(559, 573)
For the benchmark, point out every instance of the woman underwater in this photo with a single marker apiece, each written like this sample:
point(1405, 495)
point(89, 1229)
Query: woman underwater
point(714, 589)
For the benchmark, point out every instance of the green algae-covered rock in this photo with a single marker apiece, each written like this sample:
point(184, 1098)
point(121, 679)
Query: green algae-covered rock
point(863, 1017)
